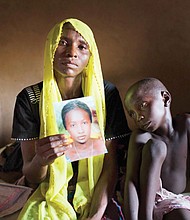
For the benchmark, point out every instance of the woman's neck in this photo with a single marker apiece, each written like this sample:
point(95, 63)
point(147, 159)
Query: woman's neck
point(69, 87)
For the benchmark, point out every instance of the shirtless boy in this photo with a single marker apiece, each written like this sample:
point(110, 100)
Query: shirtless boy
point(158, 155)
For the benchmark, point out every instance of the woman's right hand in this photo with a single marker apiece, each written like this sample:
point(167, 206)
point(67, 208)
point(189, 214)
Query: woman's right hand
point(49, 148)
point(38, 154)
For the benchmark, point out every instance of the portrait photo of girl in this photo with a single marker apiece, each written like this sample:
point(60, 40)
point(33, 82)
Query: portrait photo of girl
point(77, 120)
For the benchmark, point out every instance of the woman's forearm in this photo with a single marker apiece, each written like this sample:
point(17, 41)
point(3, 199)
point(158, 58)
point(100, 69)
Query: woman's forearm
point(34, 172)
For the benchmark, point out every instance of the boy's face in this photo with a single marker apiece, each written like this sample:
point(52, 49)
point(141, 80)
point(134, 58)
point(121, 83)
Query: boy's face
point(147, 111)
point(78, 125)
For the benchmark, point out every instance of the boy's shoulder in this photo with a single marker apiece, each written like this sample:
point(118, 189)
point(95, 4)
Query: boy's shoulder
point(182, 117)
point(182, 120)
point(140, 136)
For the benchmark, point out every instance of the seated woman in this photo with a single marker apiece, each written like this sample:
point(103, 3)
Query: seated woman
point(78, 190)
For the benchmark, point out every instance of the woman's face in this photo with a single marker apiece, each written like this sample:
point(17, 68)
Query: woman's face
point(78, 124)
point(72, 54)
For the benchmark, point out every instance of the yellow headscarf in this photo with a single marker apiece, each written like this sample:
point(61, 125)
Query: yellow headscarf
point(49, 201)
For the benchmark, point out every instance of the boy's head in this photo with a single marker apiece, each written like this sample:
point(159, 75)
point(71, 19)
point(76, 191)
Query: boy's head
point(147, 101)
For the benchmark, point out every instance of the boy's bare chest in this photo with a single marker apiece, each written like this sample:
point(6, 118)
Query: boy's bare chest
point(173, 172)
point(176, 155)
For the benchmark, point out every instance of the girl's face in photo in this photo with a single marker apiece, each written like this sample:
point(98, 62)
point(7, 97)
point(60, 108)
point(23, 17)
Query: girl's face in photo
point(78, 124)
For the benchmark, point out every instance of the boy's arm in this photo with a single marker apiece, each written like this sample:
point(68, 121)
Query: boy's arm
point(153, 155)
point(188, 156)
point(131, 189)
point(105, 187)
point(145, 157)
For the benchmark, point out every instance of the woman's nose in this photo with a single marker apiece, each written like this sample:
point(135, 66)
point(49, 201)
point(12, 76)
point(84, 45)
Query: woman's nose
point(71, 51)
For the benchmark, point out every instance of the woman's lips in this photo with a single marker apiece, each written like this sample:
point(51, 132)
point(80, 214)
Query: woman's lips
point(69, 63)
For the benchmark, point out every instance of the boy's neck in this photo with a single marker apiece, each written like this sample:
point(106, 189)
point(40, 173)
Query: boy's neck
point(166, 129)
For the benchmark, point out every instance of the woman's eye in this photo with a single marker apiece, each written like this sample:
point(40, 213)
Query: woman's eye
point(63, 42)
point(83, 47)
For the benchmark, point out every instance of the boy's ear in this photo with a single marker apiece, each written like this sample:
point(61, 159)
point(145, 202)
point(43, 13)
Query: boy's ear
point(166, 98)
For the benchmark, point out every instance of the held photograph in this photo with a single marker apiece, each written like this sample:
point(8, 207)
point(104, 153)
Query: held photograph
point(77, 119)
